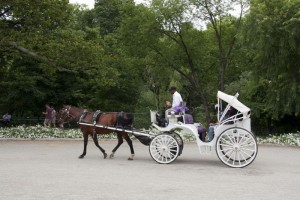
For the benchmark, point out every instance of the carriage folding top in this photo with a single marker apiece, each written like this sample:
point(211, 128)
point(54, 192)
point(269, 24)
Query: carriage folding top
point(232, 101)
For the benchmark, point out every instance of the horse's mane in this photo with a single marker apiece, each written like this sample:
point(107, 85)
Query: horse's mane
point(78, 109)
point(74, 107)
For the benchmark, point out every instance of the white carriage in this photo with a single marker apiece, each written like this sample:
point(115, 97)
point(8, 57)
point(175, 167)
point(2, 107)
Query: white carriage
point(233, 140)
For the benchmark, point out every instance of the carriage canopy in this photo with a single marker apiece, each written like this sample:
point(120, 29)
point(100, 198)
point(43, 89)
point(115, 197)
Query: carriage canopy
point(234, 102)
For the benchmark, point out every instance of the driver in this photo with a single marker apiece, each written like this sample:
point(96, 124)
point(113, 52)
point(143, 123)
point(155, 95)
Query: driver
point(177, 99)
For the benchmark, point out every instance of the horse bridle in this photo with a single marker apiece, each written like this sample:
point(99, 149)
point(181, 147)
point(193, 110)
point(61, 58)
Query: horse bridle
point(67, 117)
point(66, 114)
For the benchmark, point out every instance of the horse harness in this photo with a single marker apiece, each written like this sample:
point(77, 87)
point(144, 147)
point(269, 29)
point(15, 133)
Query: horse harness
point(66, 112)
point(95, 118)
point(124, 120)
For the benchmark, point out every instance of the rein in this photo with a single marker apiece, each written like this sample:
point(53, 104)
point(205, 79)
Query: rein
point(67, 115)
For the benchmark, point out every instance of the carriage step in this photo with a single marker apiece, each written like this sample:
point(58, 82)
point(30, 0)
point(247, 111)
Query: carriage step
point(206, 149)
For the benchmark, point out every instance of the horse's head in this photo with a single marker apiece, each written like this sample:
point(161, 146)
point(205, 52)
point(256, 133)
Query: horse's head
point(64, 115)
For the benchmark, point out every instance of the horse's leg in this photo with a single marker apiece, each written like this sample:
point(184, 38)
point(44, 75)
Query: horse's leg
point(129, 141)
point(95, 138)
point(120, 141)
point(85, 142)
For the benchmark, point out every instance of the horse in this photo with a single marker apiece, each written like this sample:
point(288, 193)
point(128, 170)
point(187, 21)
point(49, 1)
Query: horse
point(68, 113)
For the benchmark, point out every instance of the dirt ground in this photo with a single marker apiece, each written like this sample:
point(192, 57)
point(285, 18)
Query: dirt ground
point(52, 170)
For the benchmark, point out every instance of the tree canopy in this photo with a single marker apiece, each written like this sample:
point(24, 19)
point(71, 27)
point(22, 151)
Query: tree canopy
point(120, 56)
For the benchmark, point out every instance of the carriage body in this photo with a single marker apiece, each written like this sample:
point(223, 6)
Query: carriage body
point(233, 141)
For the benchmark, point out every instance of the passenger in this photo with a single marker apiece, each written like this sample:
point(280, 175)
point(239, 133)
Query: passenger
point(211, 130)
point(166, 107)
point(161, 119)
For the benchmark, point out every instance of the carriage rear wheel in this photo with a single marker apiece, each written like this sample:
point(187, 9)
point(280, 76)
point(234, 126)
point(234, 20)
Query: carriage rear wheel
point(164, 148)
point(236, 147)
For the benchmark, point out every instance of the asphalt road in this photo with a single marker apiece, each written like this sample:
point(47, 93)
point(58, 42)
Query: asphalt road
point(51, 170)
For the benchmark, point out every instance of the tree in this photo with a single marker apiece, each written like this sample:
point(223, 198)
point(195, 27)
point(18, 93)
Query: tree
point(218, 14)
point(107, 15)
point(174, 43)
point(43, 58)
point(273, 39)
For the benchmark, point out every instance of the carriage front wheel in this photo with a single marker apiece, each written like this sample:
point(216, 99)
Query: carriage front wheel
point(164, 148)
point(236, 147)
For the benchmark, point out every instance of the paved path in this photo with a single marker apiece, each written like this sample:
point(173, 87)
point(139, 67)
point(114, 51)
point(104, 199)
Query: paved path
point(51, 170)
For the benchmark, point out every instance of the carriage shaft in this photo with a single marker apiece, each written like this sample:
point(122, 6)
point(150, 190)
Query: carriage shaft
point(139, 133)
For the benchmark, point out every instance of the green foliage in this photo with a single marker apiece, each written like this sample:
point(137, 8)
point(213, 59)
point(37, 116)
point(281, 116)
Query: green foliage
point(107, 15)
point(123, 57)
point(273, 35)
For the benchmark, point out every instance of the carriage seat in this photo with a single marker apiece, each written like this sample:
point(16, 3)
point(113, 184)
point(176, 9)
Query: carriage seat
point(178, 111)
point(188, 119)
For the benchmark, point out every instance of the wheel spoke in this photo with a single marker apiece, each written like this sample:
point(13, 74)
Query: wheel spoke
point(238, 137)
point(229, 157)
point(226, 153)
point(243, 148)
point(229, 139)
point(244, 159)
point(246, 141)
point(249, 144)
point(228, 148)
point(171, 154)
point(226, 142)
point(233, 161)
point(173, 146)
point(226, 145)
point(246, 153)
point(169, 142)
point(155, 153)
point(240, 159)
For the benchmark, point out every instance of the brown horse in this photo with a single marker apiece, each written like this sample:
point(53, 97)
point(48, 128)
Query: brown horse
point(69, 113)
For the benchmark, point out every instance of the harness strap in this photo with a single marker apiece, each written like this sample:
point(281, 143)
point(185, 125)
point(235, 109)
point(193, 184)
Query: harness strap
point(83, 114)
point(96, 116)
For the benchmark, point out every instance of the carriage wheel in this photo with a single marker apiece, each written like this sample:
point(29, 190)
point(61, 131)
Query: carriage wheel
point(164, 149)
point(236, 147)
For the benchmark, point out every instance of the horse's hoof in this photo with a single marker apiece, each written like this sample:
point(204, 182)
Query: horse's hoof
point(105, 155)
point(131, 157)
point(81, 156)
point(111, 156)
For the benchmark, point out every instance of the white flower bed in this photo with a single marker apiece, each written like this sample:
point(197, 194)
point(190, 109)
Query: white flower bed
point(292, 139)
point(40, 132)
